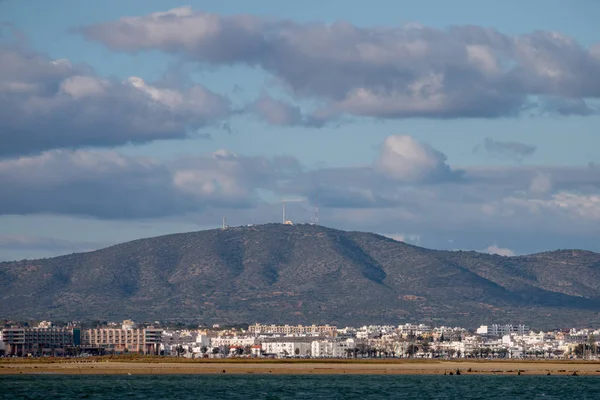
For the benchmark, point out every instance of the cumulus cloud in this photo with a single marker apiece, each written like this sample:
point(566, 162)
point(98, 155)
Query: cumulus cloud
point(516, 151)
point(384, 72)
point(405, 159)
point(48, 104)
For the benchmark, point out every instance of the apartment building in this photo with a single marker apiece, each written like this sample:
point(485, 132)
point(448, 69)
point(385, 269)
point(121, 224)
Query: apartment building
point(22, 341)
point(293, 330)
point(332, 348)
point(146, 341)
point(501, 330)
point(229, 341)
point(287, 347)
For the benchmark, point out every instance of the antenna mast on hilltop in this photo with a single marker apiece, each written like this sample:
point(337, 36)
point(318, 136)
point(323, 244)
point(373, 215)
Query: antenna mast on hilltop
point(224, 224)
point(317, 209)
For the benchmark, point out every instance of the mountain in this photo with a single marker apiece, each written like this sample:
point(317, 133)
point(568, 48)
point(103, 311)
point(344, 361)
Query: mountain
point(303, 274)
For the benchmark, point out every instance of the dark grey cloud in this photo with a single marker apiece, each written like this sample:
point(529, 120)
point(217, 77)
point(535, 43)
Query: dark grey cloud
point(516, 151)
point(48, 104)
point(108, 185)
point(570, 106)
point(394, 72)
point(16, 247)
point(278, 112)
point(29, 242)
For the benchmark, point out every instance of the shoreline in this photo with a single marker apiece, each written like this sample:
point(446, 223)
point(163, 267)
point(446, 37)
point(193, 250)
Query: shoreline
point(271, 367)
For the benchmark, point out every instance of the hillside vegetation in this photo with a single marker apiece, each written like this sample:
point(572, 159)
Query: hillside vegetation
point(303, 274)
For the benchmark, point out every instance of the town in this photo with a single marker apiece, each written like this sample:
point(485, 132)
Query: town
point(495, 341)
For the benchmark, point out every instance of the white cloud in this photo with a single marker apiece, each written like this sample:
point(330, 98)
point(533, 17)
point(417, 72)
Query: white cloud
point(80, 87)
point(404, 237)
point(405, 159)
point(494, 249)
point(566, 203)
point(541, 184)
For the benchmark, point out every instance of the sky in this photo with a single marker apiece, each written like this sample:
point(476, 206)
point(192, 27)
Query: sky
point(463, 125)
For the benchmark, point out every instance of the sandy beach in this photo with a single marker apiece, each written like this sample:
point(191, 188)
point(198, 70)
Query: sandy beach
point(297, 368)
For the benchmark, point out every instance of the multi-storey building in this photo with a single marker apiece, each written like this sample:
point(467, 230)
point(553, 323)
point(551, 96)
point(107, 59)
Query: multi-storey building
point(501, 330)
point(293, 330)
point(288, 347)
point(332, 348)
point(21, 341)
point(145, 341)
point(228, 341)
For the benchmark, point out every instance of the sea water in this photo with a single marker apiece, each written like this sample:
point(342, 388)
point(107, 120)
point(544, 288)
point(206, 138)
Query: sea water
point(362, 387)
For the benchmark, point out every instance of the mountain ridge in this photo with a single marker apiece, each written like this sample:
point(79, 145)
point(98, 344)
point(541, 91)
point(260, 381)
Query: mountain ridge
point(303, 274)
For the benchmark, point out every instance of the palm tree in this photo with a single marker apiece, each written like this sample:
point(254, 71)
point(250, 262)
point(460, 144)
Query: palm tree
point(502, 353)
point(425, 347)
point(362, 349)
point(412, 350)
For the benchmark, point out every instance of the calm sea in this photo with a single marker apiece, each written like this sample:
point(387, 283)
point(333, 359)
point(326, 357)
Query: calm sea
point(362, 387)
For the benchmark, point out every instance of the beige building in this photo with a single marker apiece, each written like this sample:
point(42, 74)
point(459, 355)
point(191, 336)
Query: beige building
point(293, 330)
point(23, 341)
point(146, 341)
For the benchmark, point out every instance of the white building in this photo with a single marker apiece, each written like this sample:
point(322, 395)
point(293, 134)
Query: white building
point(293, 330)
point(288, 347)
point(192, 341)
point(256, 350)
point(331, 348)
point(147, 340)
point(501, 330)
point(228, 341)
point(412, 329)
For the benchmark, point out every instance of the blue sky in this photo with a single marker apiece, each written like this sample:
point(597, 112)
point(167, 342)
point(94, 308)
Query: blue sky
point(455, 125)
